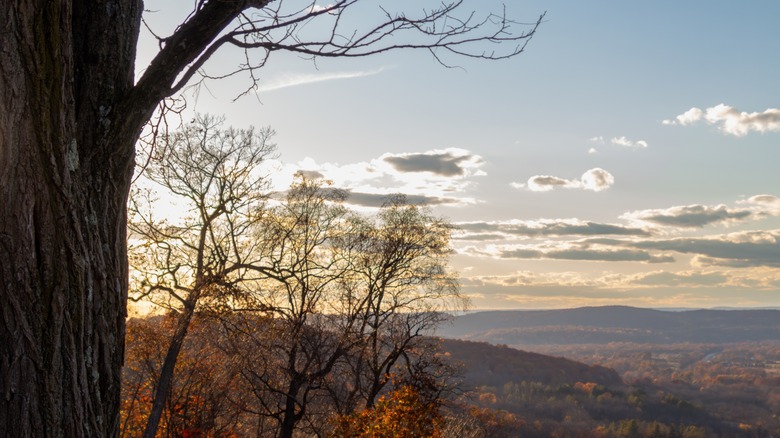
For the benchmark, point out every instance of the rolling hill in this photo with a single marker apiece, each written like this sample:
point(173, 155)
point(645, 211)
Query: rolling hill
point(491, 365)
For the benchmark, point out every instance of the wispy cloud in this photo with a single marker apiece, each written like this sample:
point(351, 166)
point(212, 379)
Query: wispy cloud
point(755, 279)
point(760, 278)
point(620, 141)
point(764, 205)
point(623, 141)
point(595, 179)
point(551, 239)
point(714, 269)
point(730, 120)
point(688, 279)
point(615, 255)
point(691, 216)
point(295, 80)
point(582, 250)
point(597, 139)
point(743, 249)
point(501, 230)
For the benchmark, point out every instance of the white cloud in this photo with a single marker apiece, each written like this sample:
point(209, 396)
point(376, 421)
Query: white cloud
point(431, 177)
point(691, 116)
point(730, 120)
point(598, 139)
point(294, 80)
point(763, 205)
point(623, 141)
point(593, 151)
point(765, 200)
point(595, 179)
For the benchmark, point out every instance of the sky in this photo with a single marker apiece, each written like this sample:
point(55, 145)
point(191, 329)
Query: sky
point(629, 156)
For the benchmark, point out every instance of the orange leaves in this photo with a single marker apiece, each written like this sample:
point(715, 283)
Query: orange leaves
point(401, 414)
point(487, 398)
point(198, 404)
point(587, 388)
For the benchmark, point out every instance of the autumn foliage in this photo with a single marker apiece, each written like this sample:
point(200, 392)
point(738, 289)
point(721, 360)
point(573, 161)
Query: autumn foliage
point(404, 413)
point(201, 402)
point(213, 393)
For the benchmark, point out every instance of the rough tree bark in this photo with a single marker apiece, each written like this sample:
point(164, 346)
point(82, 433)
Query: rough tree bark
point(64, 178)
point(70, 116)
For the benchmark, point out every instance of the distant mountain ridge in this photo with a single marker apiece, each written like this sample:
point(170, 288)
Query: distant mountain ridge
point(594, 325)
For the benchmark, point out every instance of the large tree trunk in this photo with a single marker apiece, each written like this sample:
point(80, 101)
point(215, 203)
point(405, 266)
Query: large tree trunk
point(65, 167)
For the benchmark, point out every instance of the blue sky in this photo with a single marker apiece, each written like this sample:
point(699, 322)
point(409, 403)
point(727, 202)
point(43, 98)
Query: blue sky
point(628, 156)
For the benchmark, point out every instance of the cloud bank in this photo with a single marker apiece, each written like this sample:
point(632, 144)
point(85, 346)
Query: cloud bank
point(730, 120)
point(541, 228)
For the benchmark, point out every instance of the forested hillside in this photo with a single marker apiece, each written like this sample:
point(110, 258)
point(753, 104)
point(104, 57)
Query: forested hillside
point(684, 390)
point(460, 389)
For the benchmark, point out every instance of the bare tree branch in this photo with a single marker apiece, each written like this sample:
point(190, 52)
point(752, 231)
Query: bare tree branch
point(341, 29)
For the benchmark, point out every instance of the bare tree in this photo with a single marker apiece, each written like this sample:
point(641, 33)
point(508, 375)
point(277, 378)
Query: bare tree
point(405, 290)
point(348, 301)
point(72, 113)
point(201, 258)
point(300, 246)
